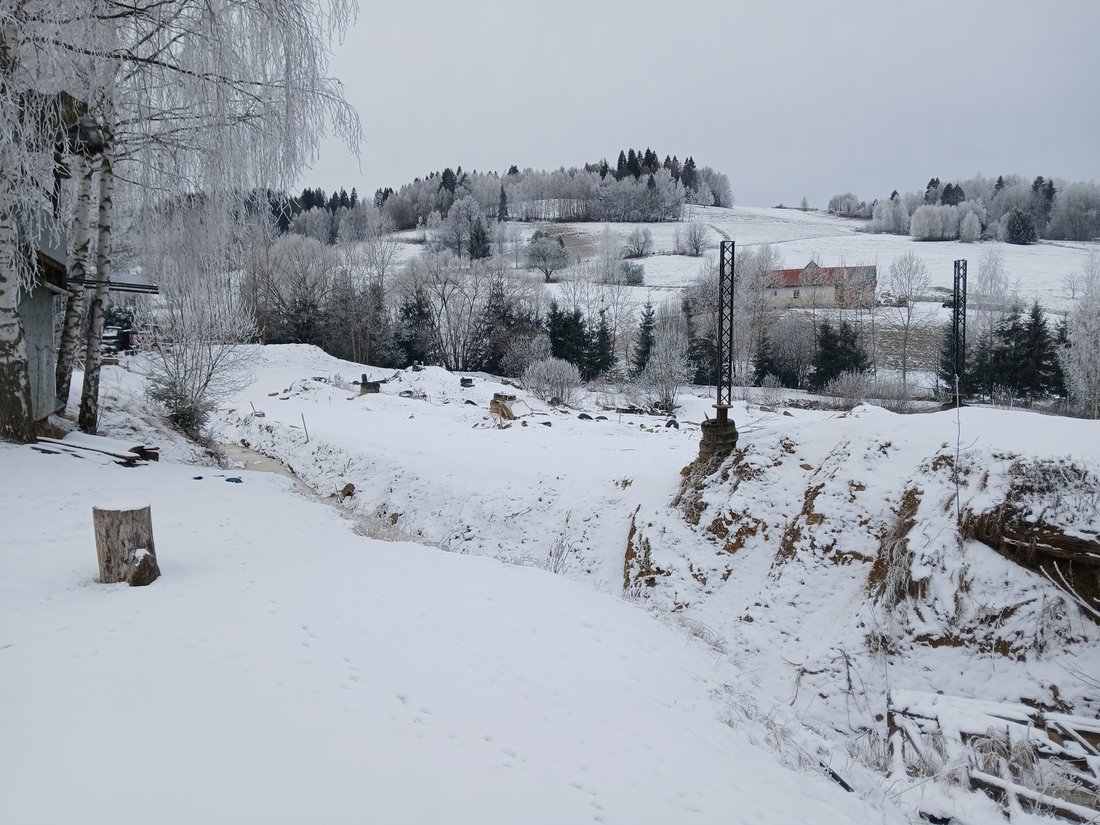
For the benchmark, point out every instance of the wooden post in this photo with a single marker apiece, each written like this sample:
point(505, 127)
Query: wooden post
point(124, 545)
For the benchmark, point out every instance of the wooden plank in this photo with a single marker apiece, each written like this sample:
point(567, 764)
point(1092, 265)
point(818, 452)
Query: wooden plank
point(128, 459)
point(1078, 813)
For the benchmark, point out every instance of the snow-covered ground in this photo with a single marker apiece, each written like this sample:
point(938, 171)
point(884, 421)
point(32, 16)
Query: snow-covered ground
point(290, 666)
point(286, 670)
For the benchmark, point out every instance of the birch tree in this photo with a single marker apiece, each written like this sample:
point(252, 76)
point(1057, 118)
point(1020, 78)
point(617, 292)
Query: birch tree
point(198, 323)
point(907, 279)
point(197, 95)
point(80, 269)
point(455, 299)
point(1081, 357)
point(31, 125)
point(667, 368)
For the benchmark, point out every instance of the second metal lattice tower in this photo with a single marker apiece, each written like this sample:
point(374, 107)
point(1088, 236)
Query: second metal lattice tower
point(725, 325)
point(958, 324)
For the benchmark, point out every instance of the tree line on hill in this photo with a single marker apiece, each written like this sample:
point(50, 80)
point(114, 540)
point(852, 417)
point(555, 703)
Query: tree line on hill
point(639, 188)
point(1010, 209)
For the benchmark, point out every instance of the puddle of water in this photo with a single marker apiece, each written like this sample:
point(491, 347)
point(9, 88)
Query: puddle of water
point(252, 460)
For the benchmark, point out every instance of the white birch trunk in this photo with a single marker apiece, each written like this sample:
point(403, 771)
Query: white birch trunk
point(78, 270)
point(16, 423)
point(88, 420)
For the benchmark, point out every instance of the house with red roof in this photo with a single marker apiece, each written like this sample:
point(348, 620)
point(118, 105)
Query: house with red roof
point(823, 287)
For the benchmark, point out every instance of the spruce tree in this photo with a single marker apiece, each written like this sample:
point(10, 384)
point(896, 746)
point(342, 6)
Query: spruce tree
point(763, 363)
point(620, 166)
point(496, 328)
point(479, 246)
point(932, 191)
point(414, 330)
point(767, 361)
point(953, 195)
point(643, 345)
point(945, 371)
point(702, 355)
point(1021, 228)
point(448, 181)
point(502, 206)
point(837, 351)
point(1038, 374)
point(688, 175)
point(568, 337)
point(601, 349)
point(1009, 354)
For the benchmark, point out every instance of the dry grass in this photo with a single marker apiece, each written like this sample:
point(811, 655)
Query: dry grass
point(891, 577)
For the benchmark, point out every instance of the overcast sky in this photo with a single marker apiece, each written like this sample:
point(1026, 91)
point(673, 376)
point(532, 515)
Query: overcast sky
point(803, 97)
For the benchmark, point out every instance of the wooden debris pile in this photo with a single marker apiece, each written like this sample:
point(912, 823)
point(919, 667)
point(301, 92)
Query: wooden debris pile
point(1022, 756)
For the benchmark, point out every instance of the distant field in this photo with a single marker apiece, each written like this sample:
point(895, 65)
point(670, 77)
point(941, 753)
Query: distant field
point(799, 237)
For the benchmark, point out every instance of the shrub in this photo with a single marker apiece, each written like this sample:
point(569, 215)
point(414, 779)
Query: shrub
point(523, 352)
point(770, 392)
point(893, 395)
point(631, 273)
point(849, 388)
point(639, 244)
point(553, 378)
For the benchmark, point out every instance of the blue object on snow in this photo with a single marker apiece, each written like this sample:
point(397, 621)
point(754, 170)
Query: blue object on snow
point(235, 480)
point(196, 478)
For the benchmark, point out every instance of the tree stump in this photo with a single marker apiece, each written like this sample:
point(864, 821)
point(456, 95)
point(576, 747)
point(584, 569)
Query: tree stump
point(124, 545)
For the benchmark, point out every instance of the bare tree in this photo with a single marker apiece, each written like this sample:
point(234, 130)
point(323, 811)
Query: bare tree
point(990, 297)
point(381, 250)
point(908, 280)
point(608, 254)
point(1081, 358)
point(639, 243)
point(584, 289)
point(456, 300)
point(197, 327)
point(667, 368)
point(1073, 281)
point(695, 239)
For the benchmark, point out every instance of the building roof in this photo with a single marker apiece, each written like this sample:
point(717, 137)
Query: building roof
point(814, 275)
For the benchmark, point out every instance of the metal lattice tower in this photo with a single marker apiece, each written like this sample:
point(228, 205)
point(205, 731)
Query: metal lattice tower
point(725, 327)
point(958, 323)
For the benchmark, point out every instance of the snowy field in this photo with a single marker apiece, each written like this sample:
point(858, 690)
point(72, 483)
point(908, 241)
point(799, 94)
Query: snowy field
point(1035, 271)
point(290, 666)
